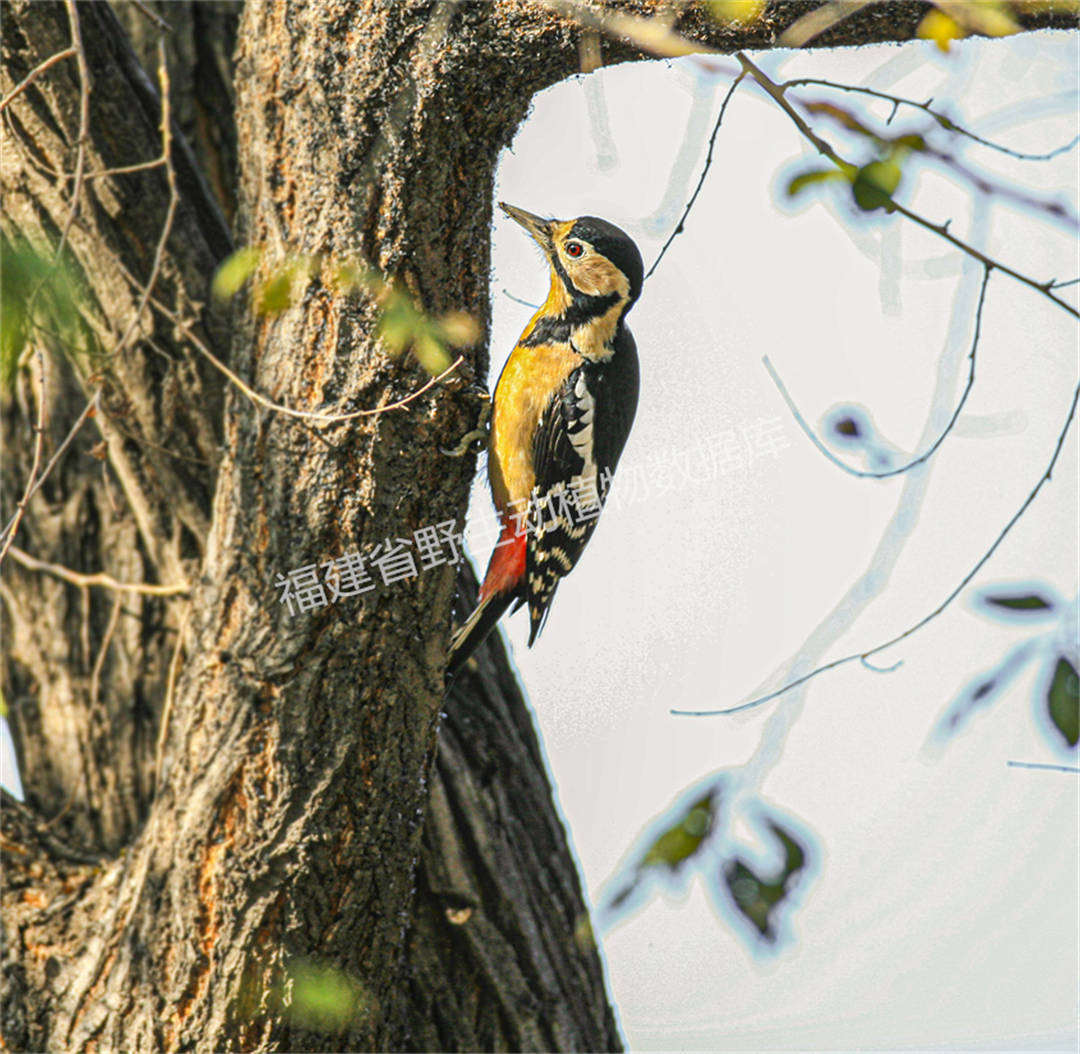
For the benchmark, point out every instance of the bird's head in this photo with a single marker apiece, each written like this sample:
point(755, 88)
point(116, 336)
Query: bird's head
point(590, 258)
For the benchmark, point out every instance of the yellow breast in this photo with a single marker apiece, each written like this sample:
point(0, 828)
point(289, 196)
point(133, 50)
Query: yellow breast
point(527, 382)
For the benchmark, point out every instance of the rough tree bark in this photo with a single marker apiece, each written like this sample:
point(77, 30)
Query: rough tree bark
point(216, 790)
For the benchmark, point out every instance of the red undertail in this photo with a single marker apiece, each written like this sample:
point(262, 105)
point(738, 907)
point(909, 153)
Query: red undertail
point(505, 572)
point(507, 563)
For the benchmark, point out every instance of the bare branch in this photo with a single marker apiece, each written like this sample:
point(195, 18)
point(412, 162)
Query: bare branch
point(307, 415)
point(1042, 766)
point(33, 75)
point(776, 92)
point(860, 473)
point(101, 579)
point(34, 483)
point(964, 582)
point(84, 120)
point(144, 166)
point(155, 18)
point(652, 35)
point(31, 483)
point(174, 197)
point(9, 530)
point(658, 38)
point(680, 226)
point(945, 122)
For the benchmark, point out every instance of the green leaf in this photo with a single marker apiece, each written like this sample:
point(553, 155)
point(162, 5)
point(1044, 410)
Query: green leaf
point(431, 353)
point(397, 324)
point(909, 142)
point(1063, 701)
point(279, 289)
point(234, 272)
point(276, 294)
point(36, 290)
point(324, 998)
point(760, 898)
point(1019, 602)
point(802, 180)
point(874, 185)
point(673, 847)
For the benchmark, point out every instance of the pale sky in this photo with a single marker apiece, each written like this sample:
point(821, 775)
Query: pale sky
point(943, 911)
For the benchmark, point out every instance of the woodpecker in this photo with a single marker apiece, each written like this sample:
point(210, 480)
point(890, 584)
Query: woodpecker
point(562, 411)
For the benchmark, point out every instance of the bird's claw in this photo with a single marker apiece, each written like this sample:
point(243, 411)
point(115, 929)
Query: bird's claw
point(473, 441)
point(470, 442)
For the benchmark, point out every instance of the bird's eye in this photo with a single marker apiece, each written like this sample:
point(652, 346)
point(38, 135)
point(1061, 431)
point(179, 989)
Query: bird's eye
point(574, 249)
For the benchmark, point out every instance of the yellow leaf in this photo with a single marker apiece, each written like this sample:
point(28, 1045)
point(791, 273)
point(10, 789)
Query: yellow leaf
point(459, 329)
point(991, 19)
point(940, 28)
point(737, 10)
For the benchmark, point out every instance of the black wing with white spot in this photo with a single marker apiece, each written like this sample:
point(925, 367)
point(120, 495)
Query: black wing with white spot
point(575, 450)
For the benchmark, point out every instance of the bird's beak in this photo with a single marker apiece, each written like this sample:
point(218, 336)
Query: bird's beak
point(537, 226)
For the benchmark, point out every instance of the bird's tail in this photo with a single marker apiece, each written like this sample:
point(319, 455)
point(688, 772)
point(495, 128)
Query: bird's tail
point(476, 627)
point(501, 587)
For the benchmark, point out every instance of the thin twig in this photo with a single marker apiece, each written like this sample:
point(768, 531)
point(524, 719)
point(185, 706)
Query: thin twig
point(652, 35)
point(125, 170)
point(261, 400)
point(924, 149)
point(964, 582)
point(981, 183)
point(1040, 765)
point(31, 483)
point(33, 75)
point(143, 9)
point(174, 197)
point(930, 451)
point(84, 121)
point(944, 122)
point(76, 48)
point(679, 227)
point(9, 529)
point(517, 300)
point(84, 625)
point(658, 38)
point(776, 92)
point(942, 230)
point(77, 578)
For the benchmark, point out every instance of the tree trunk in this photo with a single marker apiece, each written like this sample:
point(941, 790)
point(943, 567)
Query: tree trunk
point(221, 794)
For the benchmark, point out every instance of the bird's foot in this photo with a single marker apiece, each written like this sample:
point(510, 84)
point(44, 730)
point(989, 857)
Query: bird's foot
point(474, 440)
